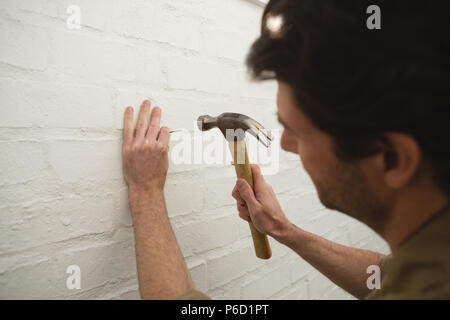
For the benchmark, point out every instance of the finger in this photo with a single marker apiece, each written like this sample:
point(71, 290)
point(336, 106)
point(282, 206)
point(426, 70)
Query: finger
point(235, 194)
point(153, 128)
point(258, 178)
point(244, 217)
point(142, 124)
point(128, 130)
point(164, 136)
point(246, 193)
point(242, 208)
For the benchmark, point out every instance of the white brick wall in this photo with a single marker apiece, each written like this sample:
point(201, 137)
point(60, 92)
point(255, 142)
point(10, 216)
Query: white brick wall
point(63, 200)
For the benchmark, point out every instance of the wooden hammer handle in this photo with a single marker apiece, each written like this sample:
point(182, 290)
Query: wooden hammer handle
point(243, 170)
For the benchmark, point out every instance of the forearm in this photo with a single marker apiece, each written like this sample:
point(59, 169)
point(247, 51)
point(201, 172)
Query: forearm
point(343, 265)
point(162, 271)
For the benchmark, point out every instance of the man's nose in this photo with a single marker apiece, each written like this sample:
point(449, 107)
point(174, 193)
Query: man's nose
point(287, 144)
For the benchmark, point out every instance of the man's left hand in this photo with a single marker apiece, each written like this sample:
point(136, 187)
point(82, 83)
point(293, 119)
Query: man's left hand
point(145, 154)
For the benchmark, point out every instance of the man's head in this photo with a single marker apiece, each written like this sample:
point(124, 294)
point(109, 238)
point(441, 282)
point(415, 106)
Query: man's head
point(366, 110)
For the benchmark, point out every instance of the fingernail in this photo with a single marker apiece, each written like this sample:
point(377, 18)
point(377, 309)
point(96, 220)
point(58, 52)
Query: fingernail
point(157, 109)
point(129, 109)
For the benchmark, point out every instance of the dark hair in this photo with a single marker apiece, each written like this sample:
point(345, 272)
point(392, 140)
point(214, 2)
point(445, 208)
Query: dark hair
point(355, 83)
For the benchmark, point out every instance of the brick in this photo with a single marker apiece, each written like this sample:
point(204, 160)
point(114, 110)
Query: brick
point(298, 269)
point(37, 280)
point(42, 7)
point(153, 21)
point(231, 265)
point(179, 112)
point(267, 285)
point(94, 61)
point(338, 294)
point(132, 294)
point(41, 188)
point(228, 292)
point(358, 231)
point(21, 162)
point(27, 104)
point(249, 88)
point(319, 286)
point(225, 43)
point(199, 274)
point(94, 14)
point(206, 235)
point(285, 180)
point(219, 191)
point(24, 46)
point(209, 77)
point(179, 29)
point(36, 223)
point(78, 161)
point(297, 291)
point(99, 264)
point(136, 19)
point(183, 197)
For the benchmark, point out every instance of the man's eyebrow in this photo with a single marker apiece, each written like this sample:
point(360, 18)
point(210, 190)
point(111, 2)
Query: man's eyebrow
point(284, 123)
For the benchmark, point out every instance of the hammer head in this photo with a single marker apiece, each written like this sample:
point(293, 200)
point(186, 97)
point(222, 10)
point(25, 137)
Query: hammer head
point(238, 124)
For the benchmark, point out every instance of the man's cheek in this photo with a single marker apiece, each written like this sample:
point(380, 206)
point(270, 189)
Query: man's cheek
point(286, 143)
point(283, 140)
point(310, 160)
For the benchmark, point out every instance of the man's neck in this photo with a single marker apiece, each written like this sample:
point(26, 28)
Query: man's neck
point(412, 210)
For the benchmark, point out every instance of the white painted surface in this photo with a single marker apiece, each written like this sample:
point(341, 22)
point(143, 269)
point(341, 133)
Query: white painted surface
point(63, 200)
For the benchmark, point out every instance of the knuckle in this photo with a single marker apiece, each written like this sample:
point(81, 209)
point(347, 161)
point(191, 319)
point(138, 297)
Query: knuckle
point(135, 148)
point(126, 151)
point(140, 125)
point(166, 149)
point(161, 148)
point(158, 146)
point(148, 144)
point(241, 209)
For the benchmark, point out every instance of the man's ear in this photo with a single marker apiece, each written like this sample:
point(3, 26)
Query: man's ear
point(401, 157)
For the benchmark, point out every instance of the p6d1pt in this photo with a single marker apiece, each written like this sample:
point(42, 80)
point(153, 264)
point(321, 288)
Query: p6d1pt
point(244, 309)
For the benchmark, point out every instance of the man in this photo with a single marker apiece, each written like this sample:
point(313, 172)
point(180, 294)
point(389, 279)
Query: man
point(366, 111)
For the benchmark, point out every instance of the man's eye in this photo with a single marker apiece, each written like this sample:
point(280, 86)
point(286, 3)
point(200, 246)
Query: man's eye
point(291, 133)
point(288, 131)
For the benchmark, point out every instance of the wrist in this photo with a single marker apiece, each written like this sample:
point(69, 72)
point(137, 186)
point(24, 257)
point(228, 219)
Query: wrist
point(287, 233)
point(138, 197)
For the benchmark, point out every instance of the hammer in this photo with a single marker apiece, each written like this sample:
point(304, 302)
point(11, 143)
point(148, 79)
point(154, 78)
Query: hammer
point(234, 126)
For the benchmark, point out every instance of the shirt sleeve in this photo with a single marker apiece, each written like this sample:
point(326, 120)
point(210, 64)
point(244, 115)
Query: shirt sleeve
point(193, 294)
point(385, 262)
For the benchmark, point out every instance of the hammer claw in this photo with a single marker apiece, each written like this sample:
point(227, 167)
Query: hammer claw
point(236, 121)
point(261, 134)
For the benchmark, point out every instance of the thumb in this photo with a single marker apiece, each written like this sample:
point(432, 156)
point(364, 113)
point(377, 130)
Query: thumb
point(258, 179)
point(246, 193)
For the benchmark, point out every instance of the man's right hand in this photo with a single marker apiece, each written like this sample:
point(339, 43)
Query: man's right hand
point(260, 207)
